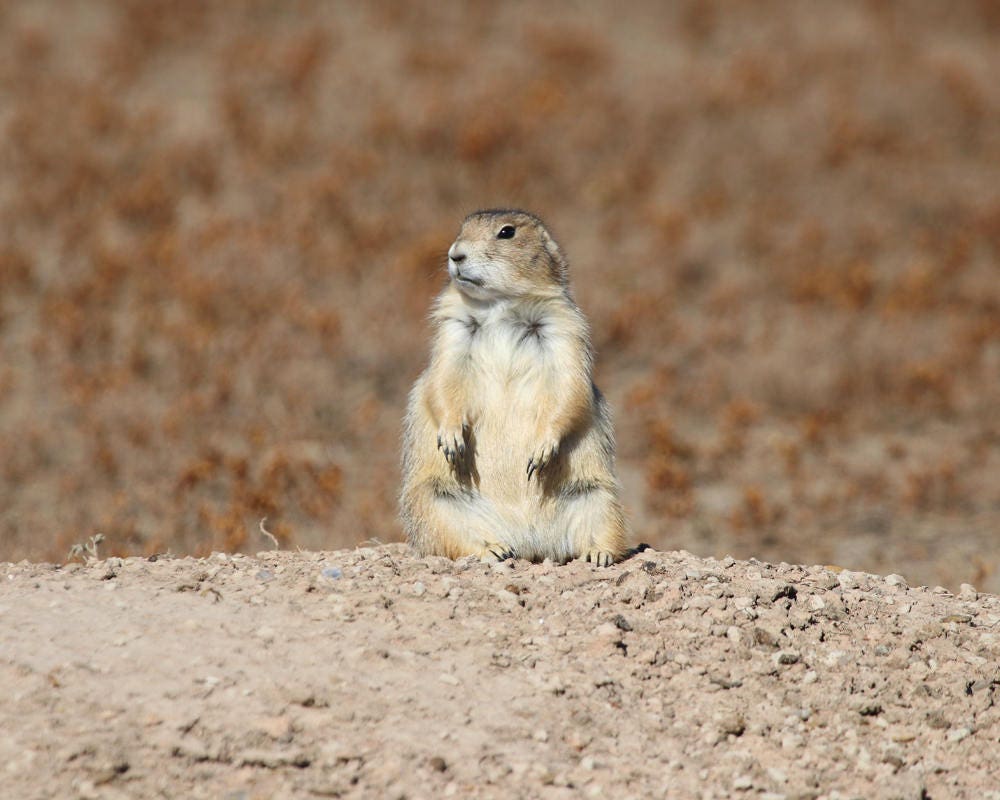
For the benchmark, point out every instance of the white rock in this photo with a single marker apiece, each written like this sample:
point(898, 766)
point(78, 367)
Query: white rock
point(265, 633)
point(777, 775)
point(790, 741)
point(958, 734)
point(968, 592)
point(834, 658)
point(847, 579)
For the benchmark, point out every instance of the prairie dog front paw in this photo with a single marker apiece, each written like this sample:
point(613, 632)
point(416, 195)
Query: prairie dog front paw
point(543, 456)
point(451, 442)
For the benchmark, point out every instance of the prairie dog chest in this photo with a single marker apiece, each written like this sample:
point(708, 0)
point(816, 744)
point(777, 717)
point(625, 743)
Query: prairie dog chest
point(507, 358)
point(505, 348)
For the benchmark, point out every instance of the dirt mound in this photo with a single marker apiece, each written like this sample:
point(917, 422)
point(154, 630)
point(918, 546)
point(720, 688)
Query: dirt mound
point(372, 673)
point(223, 224)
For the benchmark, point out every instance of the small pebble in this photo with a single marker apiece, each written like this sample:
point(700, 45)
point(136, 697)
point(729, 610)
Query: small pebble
point(791, 741)
point(968, 592)
point(847, 579)
point(265, 633)
point(437, 764)
point(959, 734)
point(787, 657)
point(730, 723)
point(777, 775)
point(507, 596)
point(828, 580)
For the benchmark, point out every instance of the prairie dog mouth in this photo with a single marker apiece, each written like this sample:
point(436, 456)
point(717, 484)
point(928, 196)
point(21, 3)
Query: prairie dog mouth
point(467, 280)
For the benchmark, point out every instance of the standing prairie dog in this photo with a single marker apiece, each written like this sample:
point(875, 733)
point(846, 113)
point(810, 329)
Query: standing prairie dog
point(508, 445)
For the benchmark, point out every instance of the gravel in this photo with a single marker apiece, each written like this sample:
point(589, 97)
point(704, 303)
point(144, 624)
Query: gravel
point(376, 673)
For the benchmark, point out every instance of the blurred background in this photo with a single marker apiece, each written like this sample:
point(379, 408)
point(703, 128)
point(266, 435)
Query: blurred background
point(222, 224)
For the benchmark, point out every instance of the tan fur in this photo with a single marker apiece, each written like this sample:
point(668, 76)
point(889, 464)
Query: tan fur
point(508, 445)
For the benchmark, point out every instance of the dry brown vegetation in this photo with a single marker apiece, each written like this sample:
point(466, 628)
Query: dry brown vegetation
point(221, 225)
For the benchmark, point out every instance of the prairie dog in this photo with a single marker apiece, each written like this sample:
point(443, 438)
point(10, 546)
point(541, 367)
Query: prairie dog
point(508, 446)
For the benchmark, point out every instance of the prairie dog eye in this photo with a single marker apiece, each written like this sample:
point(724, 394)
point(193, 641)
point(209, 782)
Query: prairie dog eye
point(506, 232)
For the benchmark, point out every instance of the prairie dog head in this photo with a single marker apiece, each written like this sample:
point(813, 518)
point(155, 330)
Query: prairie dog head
point(506, 254)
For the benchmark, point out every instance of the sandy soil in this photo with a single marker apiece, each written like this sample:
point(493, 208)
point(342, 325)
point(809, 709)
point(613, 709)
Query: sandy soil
point(372, 673)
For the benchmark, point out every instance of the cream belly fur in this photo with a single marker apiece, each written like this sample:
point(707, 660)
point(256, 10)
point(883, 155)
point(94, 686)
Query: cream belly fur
point(508, 448)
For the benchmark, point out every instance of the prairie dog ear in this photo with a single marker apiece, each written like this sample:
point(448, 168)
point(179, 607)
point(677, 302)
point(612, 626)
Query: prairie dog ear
point(560, 269)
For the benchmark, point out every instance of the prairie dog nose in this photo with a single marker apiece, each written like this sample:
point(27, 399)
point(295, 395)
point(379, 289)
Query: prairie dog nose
point(456, 253)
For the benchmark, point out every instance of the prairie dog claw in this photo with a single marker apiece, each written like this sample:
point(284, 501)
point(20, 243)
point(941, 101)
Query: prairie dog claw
point(542, 457)
point(451, 441)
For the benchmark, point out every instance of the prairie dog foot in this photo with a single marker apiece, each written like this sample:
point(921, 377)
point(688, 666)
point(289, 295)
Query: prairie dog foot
point(601, 558)
point(494, 551)
point(543, 456)
point(451, 442)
